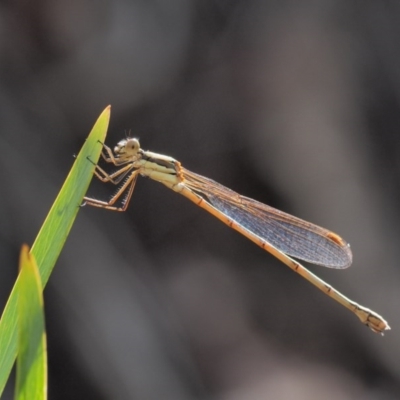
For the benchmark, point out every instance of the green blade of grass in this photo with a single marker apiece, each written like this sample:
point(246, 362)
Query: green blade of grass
point(52, 236)
point(32, 356)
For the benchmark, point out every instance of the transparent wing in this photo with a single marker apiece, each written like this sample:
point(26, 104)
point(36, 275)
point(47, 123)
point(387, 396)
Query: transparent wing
point(291, 235)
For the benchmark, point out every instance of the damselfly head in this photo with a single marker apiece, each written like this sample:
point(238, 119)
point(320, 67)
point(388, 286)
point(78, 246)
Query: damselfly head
point(127, 148)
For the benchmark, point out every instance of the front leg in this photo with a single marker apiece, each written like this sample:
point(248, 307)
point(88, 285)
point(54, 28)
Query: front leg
point(115, 177)
point(110, 158)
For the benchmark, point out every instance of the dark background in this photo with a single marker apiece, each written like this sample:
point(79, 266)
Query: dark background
point(296, 104)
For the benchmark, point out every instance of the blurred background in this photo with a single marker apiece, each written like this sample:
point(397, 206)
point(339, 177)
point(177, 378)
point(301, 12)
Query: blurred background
point(296, 104)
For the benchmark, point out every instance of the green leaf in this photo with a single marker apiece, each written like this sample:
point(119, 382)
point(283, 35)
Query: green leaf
point(32, 356)
point(52, 236)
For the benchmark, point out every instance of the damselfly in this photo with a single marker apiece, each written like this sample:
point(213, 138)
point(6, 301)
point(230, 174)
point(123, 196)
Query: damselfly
point(279, 233)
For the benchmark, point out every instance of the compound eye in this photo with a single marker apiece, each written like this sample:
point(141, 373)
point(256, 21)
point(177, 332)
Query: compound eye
point(133, 145)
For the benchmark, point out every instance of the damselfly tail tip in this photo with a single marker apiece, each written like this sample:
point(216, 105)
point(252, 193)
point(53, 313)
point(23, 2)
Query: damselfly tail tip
point(376, 323)
point(383, 327)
